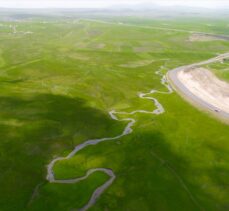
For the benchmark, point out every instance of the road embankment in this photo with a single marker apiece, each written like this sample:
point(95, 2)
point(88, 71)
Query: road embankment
point(201, 88)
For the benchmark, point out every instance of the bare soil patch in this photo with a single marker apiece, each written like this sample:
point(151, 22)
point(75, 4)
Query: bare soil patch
point(198, 37)
point(206, 86)
point(97, 45)
point(137, 64)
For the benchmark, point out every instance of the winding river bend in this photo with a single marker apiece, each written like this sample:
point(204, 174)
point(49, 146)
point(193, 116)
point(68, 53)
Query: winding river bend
point(127, 130)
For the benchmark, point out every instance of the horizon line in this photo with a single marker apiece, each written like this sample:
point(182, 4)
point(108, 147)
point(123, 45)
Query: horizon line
point(121, 7)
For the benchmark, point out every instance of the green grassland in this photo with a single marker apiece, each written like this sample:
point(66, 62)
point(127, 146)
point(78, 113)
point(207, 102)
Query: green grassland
point(220, 69)
point(57, 86)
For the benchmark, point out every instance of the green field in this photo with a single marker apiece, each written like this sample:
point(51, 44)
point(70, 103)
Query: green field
point(220, 69)
point(57, 85)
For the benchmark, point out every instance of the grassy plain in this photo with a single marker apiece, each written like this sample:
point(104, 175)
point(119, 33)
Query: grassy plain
point(57, 86)
point(220, 69)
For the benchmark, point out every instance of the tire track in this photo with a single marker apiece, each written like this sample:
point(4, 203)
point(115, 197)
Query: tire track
point(179, 179)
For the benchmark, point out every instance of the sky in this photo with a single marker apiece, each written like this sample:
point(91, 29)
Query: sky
point(109, 3)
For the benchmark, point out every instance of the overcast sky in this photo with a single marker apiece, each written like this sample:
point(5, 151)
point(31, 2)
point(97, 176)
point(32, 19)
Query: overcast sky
point(107, 3)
